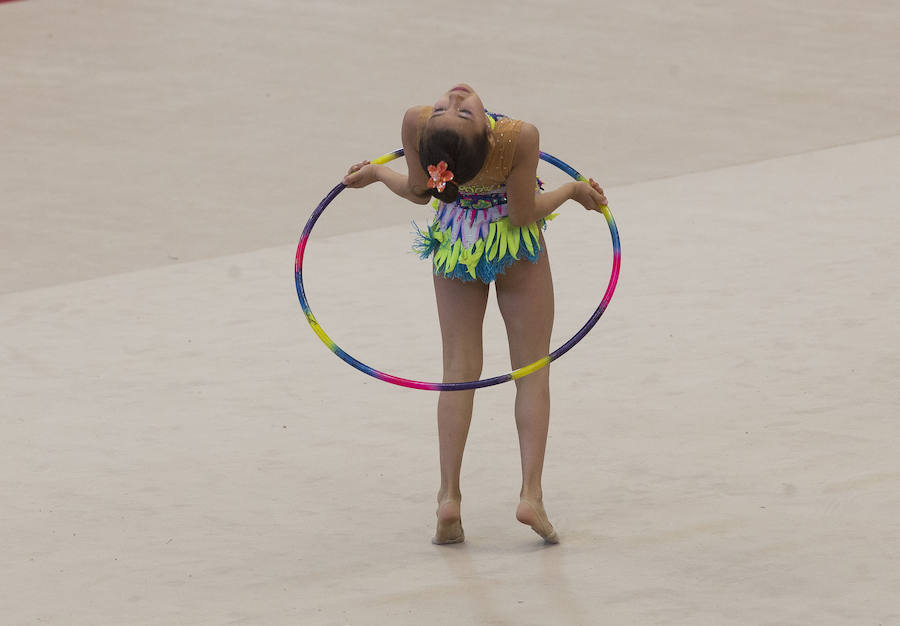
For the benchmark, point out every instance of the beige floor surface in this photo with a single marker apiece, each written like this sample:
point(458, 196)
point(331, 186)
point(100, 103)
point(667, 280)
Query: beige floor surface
point(177, 447)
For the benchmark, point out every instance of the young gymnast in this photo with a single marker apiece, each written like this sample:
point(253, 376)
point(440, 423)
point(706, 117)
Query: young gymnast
point(481, 167)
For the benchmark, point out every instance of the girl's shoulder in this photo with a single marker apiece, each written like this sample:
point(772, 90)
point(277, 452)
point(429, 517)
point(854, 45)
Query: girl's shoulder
point(417, 112)
point(413, 122)
point(511, 136)
point(416, 116)
point(507, 131)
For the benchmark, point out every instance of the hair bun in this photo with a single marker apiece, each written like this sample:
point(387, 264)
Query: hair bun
point(464, 156)
point(449, 194)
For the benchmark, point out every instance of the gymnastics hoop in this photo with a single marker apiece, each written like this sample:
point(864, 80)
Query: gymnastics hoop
point(472, 384)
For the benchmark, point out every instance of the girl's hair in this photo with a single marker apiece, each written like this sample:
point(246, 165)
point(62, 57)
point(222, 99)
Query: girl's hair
point(464, 157)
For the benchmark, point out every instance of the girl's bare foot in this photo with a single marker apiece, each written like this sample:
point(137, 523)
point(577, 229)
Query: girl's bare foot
point(449, 525)
point(531, 512)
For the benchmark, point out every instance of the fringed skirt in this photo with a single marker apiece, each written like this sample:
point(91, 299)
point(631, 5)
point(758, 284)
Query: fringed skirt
point(473, 239)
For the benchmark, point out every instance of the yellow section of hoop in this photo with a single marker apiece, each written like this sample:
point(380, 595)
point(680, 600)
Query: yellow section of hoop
point(528, 369)
point(385, 158)
point(321, 333)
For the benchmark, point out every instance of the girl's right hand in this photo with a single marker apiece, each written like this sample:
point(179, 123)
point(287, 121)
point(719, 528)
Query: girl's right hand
point(360, 175)
point(590, 195)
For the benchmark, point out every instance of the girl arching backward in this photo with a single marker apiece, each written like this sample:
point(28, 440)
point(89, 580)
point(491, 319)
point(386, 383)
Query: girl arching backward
point(481, 170)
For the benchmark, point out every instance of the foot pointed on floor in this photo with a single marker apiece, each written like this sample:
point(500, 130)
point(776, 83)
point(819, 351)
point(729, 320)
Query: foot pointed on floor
point(449, 525)
point(531, 513)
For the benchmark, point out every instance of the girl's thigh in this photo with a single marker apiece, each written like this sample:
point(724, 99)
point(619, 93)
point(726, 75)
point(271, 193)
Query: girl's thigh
point(525, 297)
point(461, 306)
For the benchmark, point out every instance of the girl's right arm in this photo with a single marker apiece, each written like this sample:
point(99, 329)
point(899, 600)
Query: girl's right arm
point(410, 186)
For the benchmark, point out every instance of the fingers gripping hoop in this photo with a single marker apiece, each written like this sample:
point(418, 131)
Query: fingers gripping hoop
point(473, 384)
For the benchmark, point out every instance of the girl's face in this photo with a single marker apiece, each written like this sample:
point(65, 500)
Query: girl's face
point(459, 109)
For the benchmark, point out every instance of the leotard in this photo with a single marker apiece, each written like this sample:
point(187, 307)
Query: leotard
point(472, 238)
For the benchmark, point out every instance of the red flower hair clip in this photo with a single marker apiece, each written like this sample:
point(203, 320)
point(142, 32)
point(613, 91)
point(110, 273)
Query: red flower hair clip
point(440, 176)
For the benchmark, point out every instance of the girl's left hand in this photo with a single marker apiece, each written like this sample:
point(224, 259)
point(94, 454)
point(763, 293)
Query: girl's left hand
point(590, 195)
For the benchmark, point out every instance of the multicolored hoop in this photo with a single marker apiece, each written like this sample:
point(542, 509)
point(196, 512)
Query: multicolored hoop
point(473, 384)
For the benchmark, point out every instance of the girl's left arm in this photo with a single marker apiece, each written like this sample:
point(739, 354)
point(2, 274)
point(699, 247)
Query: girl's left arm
point(526, 206)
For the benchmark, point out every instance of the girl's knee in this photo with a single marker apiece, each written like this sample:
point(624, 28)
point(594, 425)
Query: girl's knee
point(462, 367)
